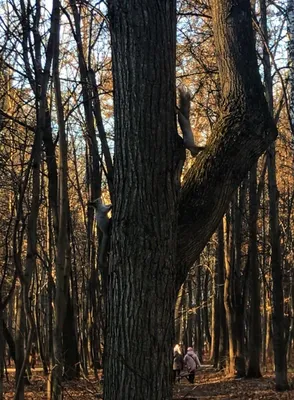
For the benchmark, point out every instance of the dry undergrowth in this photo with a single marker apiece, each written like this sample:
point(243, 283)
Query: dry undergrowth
point(209, 385)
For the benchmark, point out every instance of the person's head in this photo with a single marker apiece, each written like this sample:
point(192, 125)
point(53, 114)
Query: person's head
point(190, 349)
point(177, 349)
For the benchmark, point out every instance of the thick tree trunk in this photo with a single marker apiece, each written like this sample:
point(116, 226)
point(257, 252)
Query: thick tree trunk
point(143, 276)
point(141, 290)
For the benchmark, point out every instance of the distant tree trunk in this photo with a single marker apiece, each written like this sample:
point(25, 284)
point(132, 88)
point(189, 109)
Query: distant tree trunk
point(255, 321)
point(19, 347)
point(2, 348)
point(223, 341)
point(239, 294)
point(70, 348)
point(205, 308)
point(279, 342)
point(178, 316)
point(215, 320)
point(291, 60)
point(228, 294)
point(276, 261)
point(198, 319)
point(62, 253)
point(189, 313)
point(9, 340)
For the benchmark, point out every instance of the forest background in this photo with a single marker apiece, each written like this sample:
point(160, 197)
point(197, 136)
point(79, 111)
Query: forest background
point(57, 145)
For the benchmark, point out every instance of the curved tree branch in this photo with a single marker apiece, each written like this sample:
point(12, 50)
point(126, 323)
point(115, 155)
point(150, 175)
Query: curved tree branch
point(243, 132)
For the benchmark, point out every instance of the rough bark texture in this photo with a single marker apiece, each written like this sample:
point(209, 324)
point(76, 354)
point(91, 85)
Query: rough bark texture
point(242, 133)
point(143, 275)
point(141, 290)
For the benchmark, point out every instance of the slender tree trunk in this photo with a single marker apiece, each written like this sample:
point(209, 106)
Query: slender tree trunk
point(279, 342)
point(276, 262)
point(205, 316)
point(2, 352)
point(178, 316)
point(228, 294)
point(188, 315)
point(198, 319)
point(239, 294)
point(19, 347)
point(290, 15)
point(223, 341)
point(62, 254)
point(215, 318)
point(71, 355)
point(255, 320)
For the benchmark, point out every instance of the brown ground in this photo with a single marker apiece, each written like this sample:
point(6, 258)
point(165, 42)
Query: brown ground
point(209, 385)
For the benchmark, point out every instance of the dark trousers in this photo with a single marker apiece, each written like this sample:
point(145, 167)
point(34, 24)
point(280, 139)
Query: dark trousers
point(191, 377)
point(176, 374)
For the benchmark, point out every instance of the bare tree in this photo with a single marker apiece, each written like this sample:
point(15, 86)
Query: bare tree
point(145, 271)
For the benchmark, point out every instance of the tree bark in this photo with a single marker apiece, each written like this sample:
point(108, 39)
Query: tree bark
point(255, 320)
point(228, 294)
point(291, 60)
point(62, 253)
point(143, 275)
point(142, 263)
point(279, 342)
point(242, 133)
point(70, 346)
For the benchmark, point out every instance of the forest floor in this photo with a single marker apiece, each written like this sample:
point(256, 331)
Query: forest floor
point(209, 385)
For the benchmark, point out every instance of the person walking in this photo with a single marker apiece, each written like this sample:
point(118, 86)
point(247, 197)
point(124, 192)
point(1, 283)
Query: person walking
point(178, 362)
point(192, 362)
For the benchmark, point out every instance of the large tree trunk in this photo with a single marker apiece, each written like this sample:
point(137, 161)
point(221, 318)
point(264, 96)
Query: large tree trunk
point(143, 276)
point(141, 290)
